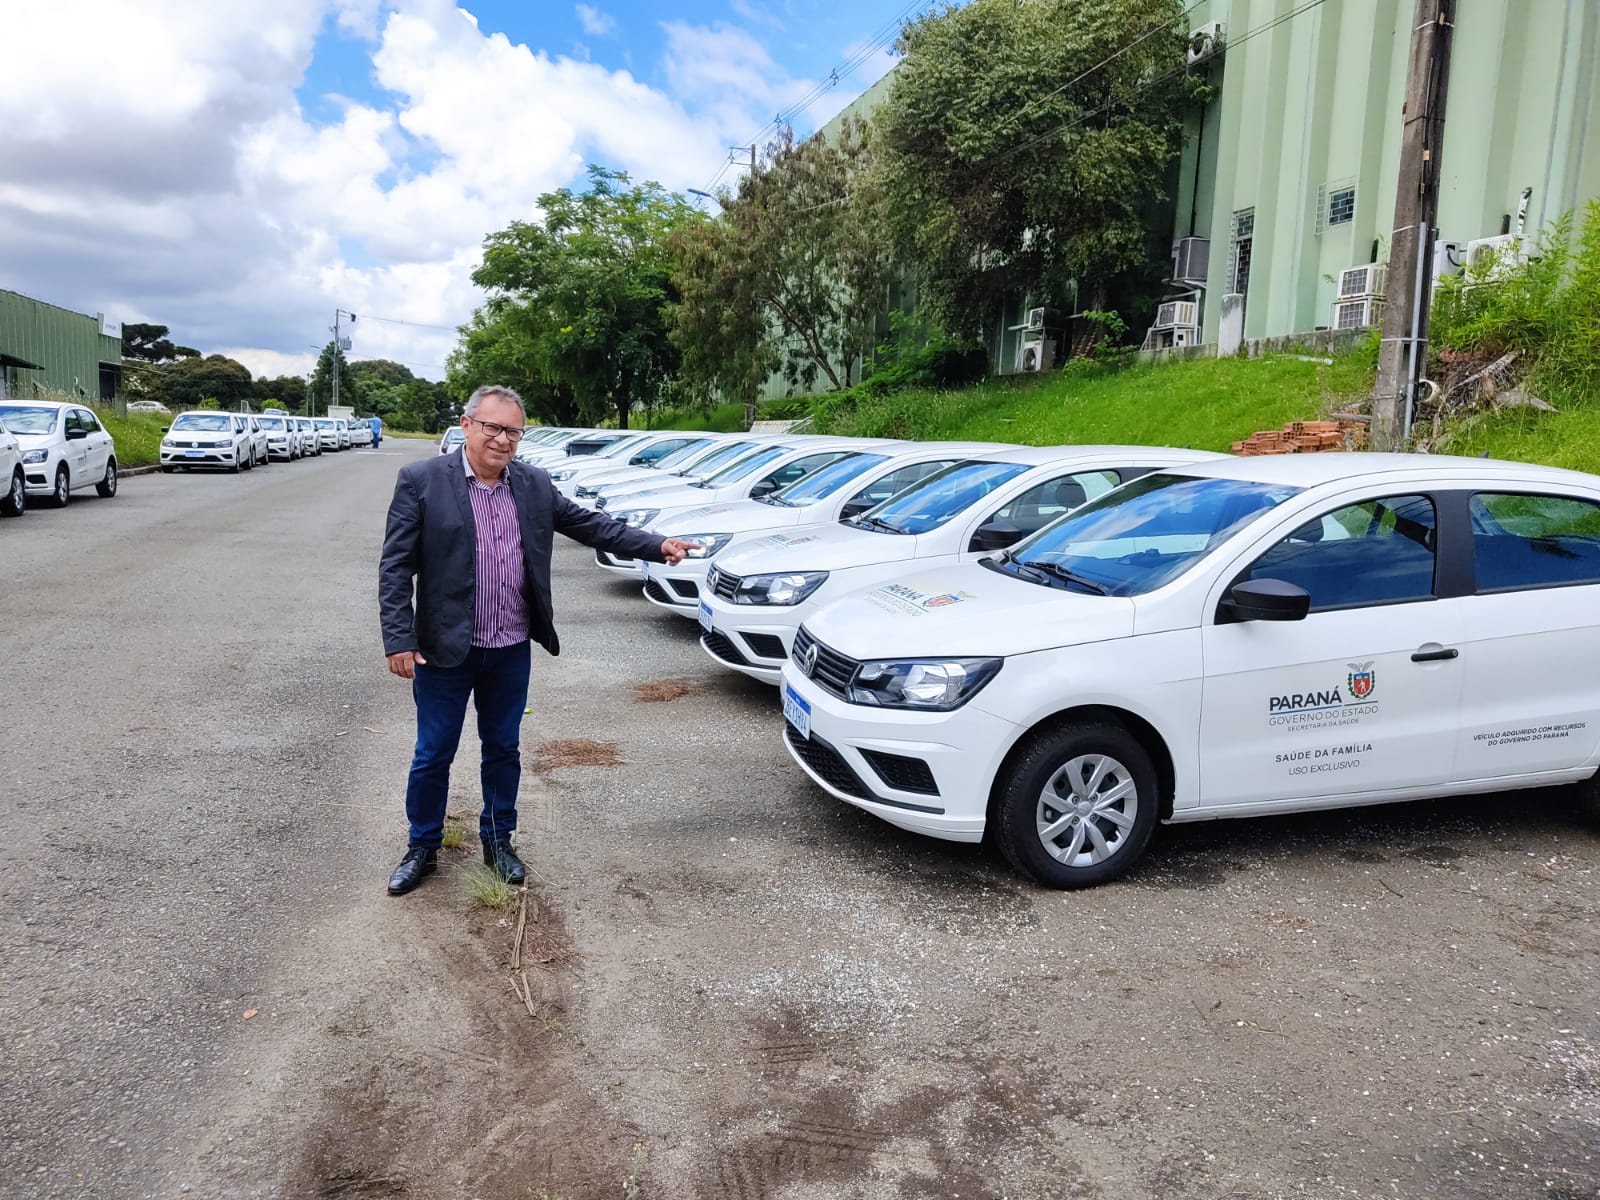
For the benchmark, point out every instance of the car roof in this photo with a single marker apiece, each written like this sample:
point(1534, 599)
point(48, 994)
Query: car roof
point(13, 402)
point(1311, 470)
point(1038, 456)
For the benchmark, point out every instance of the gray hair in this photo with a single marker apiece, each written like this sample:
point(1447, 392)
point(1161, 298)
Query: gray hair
point(494, 390)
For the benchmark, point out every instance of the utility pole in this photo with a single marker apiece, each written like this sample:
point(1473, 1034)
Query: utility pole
point(1408, 290)
point(338, 351)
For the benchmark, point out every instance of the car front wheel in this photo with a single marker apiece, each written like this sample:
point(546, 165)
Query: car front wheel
point(107, 487)
point(1078, 807)
point(15, 502)
point(63, 488)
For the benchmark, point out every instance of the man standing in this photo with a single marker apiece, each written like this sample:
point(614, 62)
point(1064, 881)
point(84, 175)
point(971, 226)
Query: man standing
point(473, 530)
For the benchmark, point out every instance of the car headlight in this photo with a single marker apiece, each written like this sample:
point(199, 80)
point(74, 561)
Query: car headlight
point(35, 456)
point(791, 587)
point(706, 544)
point(563, 476)
point(635, 517)
point(930, 684)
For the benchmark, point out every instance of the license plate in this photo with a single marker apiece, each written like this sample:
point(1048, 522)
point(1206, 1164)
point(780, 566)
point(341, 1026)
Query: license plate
point(194, 453)
point(797, 712)
point(705, 616)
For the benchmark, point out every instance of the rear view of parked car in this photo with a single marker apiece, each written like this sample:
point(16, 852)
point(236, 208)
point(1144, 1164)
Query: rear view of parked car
point(64, 449)
point(360, 433)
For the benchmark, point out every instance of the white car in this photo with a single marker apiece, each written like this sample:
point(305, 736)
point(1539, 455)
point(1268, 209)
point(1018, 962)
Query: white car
point(13, 480)
point(642, 451)
point(452, 439)
point(206, 438)
point(360, 434)
point(844, 488)
point(680, 463)
point(64, 449)
point(260, 449)
point(310, 440)
point(1229, 639)
point(342, 427)
point(633, 496)
point(283, 439)
point(327, 433)
point(756, 598)
point(147, 406)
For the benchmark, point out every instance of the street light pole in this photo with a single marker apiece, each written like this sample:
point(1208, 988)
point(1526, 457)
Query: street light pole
point(338, 351)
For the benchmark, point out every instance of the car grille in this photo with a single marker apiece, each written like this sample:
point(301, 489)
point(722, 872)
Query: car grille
point(722, 584)
point(586, 492)
point(902, 773)
point(833, 671)
point(719, 645)
point(825, 761)
point(764, 645)
point(657, 593)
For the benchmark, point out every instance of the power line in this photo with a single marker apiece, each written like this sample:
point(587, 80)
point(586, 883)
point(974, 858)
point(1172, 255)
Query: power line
point(413, 324)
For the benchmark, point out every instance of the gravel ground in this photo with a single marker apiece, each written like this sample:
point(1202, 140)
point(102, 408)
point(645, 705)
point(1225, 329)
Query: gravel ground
point(738, 986)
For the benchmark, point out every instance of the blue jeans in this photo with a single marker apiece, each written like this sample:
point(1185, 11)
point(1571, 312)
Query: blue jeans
point(497, 679)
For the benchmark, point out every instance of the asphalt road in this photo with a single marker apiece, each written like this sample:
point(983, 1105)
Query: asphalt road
point(739, 988)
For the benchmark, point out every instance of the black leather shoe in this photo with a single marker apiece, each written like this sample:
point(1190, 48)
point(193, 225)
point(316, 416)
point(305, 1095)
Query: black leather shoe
point(505, 862)
point(417, 865)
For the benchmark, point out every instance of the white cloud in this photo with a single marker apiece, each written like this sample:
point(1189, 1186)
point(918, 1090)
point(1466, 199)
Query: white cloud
point(595, 23)
point(180, 181)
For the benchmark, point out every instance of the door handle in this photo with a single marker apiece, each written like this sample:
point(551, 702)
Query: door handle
point(1433, 652)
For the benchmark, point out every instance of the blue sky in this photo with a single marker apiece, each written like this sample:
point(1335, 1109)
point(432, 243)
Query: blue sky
point(237, 171)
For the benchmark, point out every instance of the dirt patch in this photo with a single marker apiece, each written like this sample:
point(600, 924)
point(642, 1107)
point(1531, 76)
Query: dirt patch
point(575, 752)
point(660, 690)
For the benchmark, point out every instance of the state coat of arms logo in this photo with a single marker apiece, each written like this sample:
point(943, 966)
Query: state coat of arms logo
point(1362, 680)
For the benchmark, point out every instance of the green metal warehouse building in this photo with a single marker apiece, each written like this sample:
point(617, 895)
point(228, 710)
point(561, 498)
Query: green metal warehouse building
point(46, 347)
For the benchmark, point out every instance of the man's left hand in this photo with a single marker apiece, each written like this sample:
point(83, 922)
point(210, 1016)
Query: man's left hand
point(674, 550)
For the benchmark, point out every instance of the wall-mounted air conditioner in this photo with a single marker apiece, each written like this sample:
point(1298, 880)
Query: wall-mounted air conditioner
point(1356, 283)
point(1205, 41)
point(1494, 258)
point(1186, 335)
point(1176, 312)
point(1357, 314)
point(1035, 319)
point(1449, 258)
point(1038, 354)
point(1191, 259)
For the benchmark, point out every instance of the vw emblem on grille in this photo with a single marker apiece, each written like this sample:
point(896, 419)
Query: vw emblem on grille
point(806, 659)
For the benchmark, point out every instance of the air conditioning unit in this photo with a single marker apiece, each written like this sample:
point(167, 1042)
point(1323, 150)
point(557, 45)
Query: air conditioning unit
point(1205, 41)
point(1036, 355)
point(1186, 335)
point(1449, 258)
point(1494, 258)
point(1191, 259)
point(1357, 314)
point(1035, 320)
point(1176, 312)
point(1356, 283)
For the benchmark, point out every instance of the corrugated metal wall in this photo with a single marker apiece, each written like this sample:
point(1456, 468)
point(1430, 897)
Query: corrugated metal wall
point(67, 345)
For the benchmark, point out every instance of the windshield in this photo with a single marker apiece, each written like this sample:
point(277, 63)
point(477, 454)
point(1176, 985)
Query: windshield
point(819, 485)
point(205, 422)
point(682, 454)
point(1145, 533)
point(736, 471)
point(939, 497)
point(29, 420)
point(274, 423)
point(619, 447)
point(717, 459)
point(326, 423)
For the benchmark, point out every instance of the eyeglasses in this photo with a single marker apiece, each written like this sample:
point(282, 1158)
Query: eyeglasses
point(492, 431)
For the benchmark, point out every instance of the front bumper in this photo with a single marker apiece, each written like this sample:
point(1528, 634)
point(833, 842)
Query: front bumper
point(202, 456)
point(752, 649)
point(281, 450)
point(676, 589)
point(930, 773)
point(626, 567)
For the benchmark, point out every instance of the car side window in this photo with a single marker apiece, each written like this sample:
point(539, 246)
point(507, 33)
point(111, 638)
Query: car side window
point(1531, 541)
point(1044, 502)
point(880, 490)
point(72, 422)
point(86, 420)
point(1375, 552)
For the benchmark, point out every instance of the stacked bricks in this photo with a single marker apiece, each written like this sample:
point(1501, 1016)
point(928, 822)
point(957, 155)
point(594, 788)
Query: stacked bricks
point(1306, 437)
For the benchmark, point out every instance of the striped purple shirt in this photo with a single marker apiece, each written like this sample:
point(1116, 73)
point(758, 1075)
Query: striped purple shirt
point(500, 612)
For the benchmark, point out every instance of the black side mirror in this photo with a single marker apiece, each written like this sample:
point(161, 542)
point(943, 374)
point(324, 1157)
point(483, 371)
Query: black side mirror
point(765, 488)
point(996, 535)
point(1265, 600)
point(855, 508)
point(77, 435)
point(166, 429)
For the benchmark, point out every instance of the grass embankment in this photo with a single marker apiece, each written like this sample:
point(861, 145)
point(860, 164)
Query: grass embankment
point(137, 436)
point(1569, 438)
point(1203, 403)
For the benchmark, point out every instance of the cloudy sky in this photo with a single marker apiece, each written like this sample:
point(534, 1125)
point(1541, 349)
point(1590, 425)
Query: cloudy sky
point(239, 170)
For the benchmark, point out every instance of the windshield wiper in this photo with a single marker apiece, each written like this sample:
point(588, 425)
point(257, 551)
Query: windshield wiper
point(1057, 571)
point(876, 523)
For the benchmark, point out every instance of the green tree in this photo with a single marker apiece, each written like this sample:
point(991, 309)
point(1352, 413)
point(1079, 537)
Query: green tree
point(580, 300)
point(285, 391)
point(791, 276)
point(149, 343)
point(1021, 145)
point(185, 382)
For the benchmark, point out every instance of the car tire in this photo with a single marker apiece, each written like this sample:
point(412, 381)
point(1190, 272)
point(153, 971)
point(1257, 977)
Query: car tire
point(1117, 785)
point(15, 502)
point(107, 487)
point(168, 470)
point(62, 495)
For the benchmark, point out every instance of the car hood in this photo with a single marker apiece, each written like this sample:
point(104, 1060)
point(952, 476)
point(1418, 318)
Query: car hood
point(34, 441)
point(816, 548)
point(736, 516)
point(672, 494)
point(968, 610)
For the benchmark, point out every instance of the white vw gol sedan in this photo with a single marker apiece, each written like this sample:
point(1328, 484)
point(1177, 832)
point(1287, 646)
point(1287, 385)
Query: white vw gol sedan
point(1234, 638)
point(756, 596)
point(65, 449)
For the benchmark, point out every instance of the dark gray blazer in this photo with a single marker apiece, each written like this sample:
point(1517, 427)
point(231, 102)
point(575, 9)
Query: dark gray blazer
point(431, 538)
